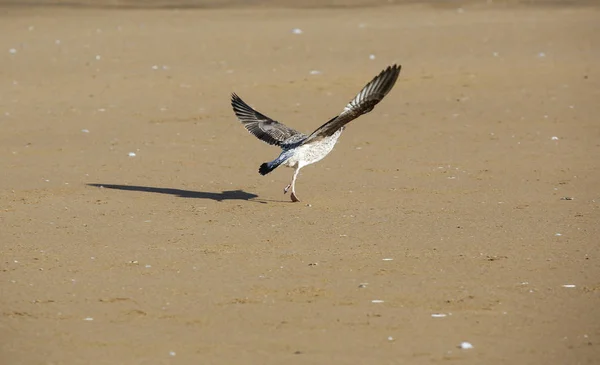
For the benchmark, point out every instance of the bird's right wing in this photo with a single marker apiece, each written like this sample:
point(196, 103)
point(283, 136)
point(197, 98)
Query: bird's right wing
point(263, 127)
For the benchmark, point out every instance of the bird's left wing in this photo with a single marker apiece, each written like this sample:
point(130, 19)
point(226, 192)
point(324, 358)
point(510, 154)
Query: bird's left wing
point(263, 127)
point(362, 103)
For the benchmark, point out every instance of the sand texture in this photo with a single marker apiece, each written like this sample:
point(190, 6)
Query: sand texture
point(135, 228)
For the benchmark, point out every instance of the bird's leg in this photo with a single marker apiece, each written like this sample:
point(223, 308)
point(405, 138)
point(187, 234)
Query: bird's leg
point(293, 184)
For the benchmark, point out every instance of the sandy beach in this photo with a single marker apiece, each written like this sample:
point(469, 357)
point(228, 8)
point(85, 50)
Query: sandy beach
point(135, 228)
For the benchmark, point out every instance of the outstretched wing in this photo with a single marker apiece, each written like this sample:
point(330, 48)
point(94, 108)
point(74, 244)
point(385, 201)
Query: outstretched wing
point(263, 127)
point(363, 103)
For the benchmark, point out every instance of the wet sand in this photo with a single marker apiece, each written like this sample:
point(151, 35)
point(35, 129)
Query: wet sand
point(463, 208)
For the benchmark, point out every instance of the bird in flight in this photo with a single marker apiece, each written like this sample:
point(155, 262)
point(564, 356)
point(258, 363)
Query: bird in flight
point(299, 149)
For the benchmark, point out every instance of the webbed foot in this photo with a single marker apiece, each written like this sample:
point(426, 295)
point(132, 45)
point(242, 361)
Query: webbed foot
point(294, 197)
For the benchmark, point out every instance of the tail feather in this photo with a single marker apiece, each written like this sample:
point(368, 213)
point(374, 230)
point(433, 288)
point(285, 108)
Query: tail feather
point(267, 167)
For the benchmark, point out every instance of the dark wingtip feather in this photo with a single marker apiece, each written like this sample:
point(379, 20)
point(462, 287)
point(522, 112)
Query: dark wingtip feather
point(394, 67)
point(394, 70)
point(234, 98)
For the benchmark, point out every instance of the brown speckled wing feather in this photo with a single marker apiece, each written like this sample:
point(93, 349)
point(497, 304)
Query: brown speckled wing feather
point(362, 103)
point(263, 127)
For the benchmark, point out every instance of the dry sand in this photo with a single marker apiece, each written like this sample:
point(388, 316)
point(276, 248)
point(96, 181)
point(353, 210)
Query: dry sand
point(449, 198)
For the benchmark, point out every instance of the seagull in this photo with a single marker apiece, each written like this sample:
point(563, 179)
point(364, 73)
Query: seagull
point(298, 149)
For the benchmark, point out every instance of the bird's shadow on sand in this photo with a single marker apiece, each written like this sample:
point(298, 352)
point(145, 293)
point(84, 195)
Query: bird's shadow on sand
point(224, 195)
